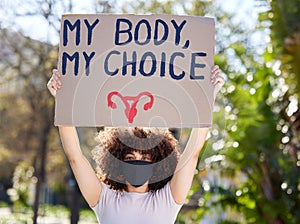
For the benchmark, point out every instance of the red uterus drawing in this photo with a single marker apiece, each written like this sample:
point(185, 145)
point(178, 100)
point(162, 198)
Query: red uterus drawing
point(130, 110)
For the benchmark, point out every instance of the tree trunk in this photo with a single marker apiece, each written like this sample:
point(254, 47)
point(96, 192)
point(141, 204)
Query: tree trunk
point(40, 166)
point(74, 191)
point(268, 191)
point(74, 202)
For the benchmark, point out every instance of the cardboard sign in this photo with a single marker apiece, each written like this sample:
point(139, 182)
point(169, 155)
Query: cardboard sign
point(135, 70)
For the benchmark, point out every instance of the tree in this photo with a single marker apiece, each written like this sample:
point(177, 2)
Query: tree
point(284, 52)
point(33, 61)
point(28, 64)
point(259, 155)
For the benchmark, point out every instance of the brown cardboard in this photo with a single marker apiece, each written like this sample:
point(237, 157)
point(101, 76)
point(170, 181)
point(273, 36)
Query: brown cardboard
point(148, 92)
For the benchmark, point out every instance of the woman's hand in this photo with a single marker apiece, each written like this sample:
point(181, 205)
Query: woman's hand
point(216, 79)
point(54, 84)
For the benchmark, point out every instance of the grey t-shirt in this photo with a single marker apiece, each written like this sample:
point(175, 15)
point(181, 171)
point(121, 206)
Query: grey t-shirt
point(157, 207)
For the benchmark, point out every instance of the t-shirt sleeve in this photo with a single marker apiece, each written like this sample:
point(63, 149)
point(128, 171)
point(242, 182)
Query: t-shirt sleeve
point(165, 194)
point(98, 208)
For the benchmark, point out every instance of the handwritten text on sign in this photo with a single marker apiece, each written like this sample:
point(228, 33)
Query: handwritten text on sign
point(162, 55)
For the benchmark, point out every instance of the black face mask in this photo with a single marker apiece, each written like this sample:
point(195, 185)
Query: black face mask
point(137, 172)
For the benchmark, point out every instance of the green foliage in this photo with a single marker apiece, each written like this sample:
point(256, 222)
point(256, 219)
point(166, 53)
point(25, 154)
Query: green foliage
point(259, 165)
point(283, 19)
point(23, 182)
point(190, 7)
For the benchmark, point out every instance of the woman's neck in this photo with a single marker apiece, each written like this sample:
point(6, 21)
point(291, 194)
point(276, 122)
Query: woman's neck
point(141, 189)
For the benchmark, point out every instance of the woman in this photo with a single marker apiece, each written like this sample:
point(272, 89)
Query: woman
point(142, 178)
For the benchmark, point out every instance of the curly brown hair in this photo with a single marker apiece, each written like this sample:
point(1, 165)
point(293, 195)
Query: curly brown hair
point(116, 143)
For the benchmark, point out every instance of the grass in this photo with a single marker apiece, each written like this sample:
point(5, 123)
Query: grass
point(23, 215)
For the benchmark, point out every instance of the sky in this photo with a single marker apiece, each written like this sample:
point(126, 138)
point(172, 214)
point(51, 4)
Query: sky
point(36, 27)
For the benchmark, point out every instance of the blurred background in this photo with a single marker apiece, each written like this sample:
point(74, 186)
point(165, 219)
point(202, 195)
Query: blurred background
point(249, 171)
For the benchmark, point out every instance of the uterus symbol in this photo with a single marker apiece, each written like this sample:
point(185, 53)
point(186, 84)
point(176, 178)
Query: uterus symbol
point(130, 109)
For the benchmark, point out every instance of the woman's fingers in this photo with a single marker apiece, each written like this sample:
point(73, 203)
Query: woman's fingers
point(51, 87)
point(215, 69)
point(216, 79)
point(54, 83)
point(216, 76)
point(56, 76)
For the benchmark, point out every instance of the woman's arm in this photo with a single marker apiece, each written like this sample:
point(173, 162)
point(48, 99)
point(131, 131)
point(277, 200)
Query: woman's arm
point(182, 179)
point(85, 175)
